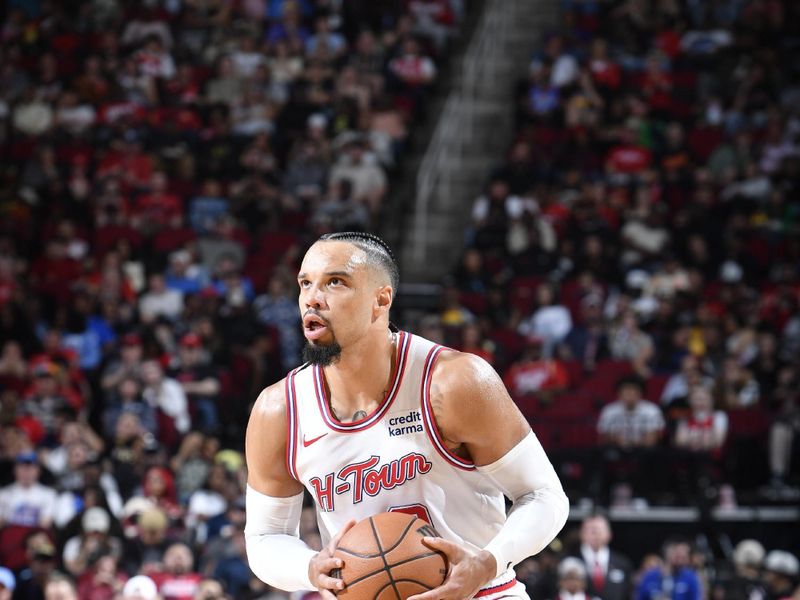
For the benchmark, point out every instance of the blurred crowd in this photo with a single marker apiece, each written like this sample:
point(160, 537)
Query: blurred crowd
point(632, 269)
point(633, 264)
point(163, 164)
point(583, 564)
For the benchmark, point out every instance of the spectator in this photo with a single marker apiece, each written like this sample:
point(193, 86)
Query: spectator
point(367, 177)
point(609, 572)
point(93, 542)
point(160, 301)
point(26, 502)
point(550, 321)
point(572, 580)
point(144, 551)
point(780, 573)
point(674, 579)
point(535, 375)
point(587, 341)
point(631, 421)
point(745, 582)
point(102, 581)
point(60, 587)
point(140, 587)
point(199, 381)
point(705, 430)
point(7, 583)
point(628, 342)
point(177, 581)
point(166, 395)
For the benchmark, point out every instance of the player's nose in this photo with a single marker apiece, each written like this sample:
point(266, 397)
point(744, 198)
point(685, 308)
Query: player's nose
point(315, 298)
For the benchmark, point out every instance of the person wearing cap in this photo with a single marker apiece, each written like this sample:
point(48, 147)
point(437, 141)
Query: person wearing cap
point(199, 381)
point(140, 587)
point(94, 541)
point(572, 580)
point(39, 562)
point(745, 582)
point(780, 574)
point(26, 502)
point(144, 551)
point(7, 583)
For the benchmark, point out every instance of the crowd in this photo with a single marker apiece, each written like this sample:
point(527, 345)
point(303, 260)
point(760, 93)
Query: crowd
point(631, 269)
point(584, 565)
point(633, 264)
point(163, 164)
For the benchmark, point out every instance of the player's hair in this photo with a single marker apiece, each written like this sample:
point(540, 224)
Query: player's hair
point(376, 249)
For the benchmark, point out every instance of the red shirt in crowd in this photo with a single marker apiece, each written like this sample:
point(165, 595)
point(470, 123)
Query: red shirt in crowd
point(530, 377)
point(177, 587)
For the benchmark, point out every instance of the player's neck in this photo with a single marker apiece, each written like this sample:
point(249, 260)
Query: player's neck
point(358, 381)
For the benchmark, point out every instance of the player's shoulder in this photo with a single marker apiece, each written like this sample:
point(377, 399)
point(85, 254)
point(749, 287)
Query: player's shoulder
point(271, 403)
point(462, 366)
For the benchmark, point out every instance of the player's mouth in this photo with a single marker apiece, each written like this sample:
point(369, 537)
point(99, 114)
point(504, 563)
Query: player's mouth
point(314, 327)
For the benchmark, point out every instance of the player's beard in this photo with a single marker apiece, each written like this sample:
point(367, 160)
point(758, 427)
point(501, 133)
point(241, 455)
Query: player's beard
point(322, 354)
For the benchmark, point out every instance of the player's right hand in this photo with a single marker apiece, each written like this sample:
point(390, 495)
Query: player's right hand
point(321, 565)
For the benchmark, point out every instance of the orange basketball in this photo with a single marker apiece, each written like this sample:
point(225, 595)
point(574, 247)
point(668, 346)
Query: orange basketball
point(384, 559)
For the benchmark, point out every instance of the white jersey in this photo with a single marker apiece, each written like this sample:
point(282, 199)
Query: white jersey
point(391, 460)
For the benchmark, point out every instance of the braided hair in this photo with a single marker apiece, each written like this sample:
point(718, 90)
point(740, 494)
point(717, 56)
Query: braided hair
point(376, 249)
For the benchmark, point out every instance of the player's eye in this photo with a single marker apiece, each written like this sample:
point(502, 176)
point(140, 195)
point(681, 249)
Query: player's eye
point(304, 283)
point(335, 281)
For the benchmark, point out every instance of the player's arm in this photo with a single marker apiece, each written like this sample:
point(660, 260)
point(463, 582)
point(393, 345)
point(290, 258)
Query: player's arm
point(478, 419)
point(275, 551)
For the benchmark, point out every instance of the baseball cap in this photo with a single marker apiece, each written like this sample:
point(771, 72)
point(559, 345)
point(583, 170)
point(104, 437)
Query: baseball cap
point(191, 340)
point(140, 587)
point(95, 519)
point(7, 579)
point(28, 457)
point(780, 561)
point(748, 553)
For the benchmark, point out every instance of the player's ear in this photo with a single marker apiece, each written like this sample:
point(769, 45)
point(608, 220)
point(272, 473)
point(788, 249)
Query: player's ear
point(384, 297)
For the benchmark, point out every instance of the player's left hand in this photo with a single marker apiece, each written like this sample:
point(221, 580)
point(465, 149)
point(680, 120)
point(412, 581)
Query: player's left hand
point(468, 571)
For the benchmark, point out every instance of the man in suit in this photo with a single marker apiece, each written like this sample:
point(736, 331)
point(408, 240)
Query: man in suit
point(608, 572)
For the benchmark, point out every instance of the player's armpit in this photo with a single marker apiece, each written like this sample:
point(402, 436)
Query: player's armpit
point(472, 407)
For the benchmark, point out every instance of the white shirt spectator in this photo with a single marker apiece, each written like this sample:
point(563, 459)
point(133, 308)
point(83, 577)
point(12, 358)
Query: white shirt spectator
point(31, 506)
point(516, 207)
point(630, 425)
point(551, 323)
point(170, 398)
point(167, 303)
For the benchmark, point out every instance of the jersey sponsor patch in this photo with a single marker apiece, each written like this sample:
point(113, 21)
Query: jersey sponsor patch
point(404, 423)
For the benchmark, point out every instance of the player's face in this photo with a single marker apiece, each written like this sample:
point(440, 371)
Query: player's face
point(336, 303)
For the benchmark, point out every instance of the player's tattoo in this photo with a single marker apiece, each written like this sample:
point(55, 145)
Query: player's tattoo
point(359, 414)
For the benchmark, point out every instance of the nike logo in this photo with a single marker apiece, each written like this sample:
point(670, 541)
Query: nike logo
point(307, 443)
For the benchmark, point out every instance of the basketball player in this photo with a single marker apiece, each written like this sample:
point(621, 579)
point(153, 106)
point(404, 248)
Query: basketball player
point(378, 420)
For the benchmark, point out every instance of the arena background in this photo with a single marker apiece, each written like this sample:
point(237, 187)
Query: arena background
point(598, 197)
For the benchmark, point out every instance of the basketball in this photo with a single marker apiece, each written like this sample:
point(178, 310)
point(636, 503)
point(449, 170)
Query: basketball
point(384, 558)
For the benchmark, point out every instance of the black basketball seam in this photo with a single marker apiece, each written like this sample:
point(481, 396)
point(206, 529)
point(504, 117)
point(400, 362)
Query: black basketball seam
point(419, 583)
point(396, 544)
point(397, 564)
point(383, 556)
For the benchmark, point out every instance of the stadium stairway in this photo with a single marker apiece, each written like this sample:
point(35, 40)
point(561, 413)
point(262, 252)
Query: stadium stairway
point(472, 131)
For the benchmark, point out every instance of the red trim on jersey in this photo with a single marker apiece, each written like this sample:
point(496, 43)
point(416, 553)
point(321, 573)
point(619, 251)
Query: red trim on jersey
point(324, 404)
point(496, 589)
point(430, 421)
point(291, 426)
